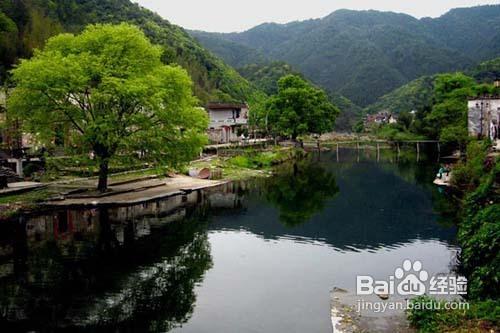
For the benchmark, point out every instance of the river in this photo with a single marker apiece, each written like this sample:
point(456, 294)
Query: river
point(254, 256)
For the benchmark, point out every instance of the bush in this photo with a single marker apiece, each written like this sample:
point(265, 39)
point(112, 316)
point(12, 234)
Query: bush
point(479, 230)
point(478, 317)
point(396, 132)
point(454, 135)
point(480, 240)
point(468, 175)
point(479, 237)
point(241, 161)
point(30, 169)
point(255, 160)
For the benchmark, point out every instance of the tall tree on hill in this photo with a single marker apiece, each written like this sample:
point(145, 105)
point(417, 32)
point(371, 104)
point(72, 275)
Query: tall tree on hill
point(447, 119)
point(300, 108)
point(110, 88)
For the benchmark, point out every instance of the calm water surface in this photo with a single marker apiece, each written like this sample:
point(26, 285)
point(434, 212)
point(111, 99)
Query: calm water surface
point(258, 256)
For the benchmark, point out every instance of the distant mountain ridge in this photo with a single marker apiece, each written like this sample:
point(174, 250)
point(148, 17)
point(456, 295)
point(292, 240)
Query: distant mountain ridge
point(366, 54)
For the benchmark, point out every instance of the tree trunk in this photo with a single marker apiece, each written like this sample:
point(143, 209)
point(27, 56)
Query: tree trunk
point(103, 175)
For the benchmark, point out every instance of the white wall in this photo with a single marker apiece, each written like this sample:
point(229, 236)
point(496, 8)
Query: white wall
point(220, 115)
point(490, 110)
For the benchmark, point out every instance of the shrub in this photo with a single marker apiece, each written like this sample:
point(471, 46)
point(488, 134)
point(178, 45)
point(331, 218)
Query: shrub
point(479, 237)
point(253, 160)
point(240, 161)
point(30, 168)
point(478, 317)
point(468, 175)
point(396, 132)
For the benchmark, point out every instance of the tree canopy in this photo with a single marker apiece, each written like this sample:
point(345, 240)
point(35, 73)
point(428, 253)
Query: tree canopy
point(34, 21)
point(109, 89)
point(440, 103)
point(299, 108)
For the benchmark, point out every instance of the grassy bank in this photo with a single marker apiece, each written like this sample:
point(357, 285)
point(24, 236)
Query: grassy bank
point(482, 316)
point(479, 236)
point(249, 164)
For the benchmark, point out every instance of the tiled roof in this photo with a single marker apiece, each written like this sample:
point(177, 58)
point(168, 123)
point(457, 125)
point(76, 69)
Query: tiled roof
point(225, 106)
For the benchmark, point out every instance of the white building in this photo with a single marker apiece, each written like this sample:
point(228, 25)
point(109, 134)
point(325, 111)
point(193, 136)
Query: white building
point(484, 117)
point(226, 121)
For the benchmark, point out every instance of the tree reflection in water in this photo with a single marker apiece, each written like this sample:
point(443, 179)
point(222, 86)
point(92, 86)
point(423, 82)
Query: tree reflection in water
point(106, 278)
point(301, 190)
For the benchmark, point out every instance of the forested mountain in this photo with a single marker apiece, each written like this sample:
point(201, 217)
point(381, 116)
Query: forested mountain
point(26, 24)
point(417, 94)
point(366, 54)
point(486, 72)
point(414, 95)
point(235, 54)
point(265, 76)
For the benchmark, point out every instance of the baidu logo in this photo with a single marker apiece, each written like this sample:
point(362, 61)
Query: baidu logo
point(411, 280)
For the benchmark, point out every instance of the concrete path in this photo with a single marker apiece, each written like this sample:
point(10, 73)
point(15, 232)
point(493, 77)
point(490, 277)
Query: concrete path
point(20, 187)
point(350, 314)
point(137, 192)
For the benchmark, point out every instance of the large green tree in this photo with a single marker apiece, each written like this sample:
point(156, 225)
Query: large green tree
point(299, 108)
point(447, 119)
point(109, 88)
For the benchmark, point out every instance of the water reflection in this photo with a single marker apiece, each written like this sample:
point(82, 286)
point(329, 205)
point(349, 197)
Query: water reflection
point(210, 260)
point(299, 191)
point(130, 268)
point(349, 206)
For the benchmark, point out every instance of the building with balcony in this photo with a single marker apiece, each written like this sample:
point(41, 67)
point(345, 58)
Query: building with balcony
point(227, 121)
point(484, 117)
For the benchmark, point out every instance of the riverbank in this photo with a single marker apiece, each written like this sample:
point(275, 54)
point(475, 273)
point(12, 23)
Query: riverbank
point(300, 229)
point(477, 179)
point(149, 184)
point(135, 192)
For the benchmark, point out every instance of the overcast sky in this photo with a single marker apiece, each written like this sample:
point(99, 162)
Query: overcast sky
point(239, 15)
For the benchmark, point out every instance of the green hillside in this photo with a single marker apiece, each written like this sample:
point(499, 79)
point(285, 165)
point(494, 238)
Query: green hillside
point(236, 54)
point(366, 54)
point(26, 24)
point(417, 94)
point(487, 71)
point(265, 76)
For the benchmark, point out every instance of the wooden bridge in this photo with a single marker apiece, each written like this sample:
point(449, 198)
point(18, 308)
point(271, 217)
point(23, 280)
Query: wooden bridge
point(378, 144)
point(231, 149)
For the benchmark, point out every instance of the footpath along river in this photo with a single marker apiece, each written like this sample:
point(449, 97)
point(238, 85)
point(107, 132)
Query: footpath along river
point(254, 256)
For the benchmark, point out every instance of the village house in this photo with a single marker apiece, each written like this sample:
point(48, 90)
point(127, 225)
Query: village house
point(484, 117)
point(380, 118)
point(227, 120)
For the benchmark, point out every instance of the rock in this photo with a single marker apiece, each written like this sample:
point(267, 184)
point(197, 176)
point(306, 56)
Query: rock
point(383, 296)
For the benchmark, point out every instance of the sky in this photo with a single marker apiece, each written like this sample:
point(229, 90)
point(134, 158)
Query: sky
point(240, 15)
